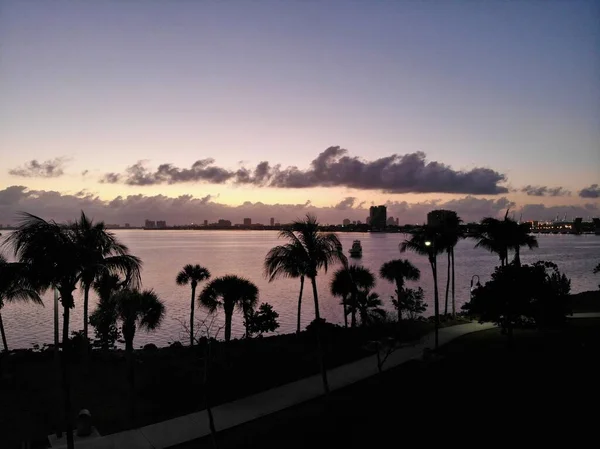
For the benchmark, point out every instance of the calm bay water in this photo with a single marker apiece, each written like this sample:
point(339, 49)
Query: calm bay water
point(164, 253)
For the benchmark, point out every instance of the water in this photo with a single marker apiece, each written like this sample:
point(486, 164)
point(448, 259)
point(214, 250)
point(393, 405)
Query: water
point(164, 253)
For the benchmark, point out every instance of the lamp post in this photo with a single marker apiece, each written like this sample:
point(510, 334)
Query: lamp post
point(477, 285)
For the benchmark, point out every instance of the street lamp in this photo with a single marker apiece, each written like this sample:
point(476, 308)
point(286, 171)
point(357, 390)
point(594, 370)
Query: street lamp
point(477, 285)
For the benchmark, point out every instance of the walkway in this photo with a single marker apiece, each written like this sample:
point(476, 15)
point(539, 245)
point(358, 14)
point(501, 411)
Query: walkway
point(189, 427)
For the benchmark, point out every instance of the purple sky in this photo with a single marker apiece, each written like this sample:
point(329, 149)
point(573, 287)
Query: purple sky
point(485, 104)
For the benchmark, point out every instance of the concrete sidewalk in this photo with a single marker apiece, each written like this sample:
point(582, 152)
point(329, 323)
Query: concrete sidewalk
point(189, 427)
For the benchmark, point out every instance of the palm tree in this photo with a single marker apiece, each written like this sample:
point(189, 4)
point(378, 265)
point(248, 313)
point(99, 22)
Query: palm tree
point(192, 274)
point(102, 253)
point(104, 318)
point(348, 282)
point(229, 292)
point(369, 307)
point(52, 252)
point(289, 261)
point(319, 251)
point(399, 271)
point(500, 236)
point(136, 309)
point(14, 286)
point(428, 241)
point(451, 234)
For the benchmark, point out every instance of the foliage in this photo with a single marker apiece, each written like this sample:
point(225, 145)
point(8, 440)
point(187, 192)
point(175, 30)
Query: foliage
point(261, 321)
point(104, 322)
point(347, 283)
point(517, 295)
point(369, 307)
point(229, 292)
point(411, 303)
point(192, 274)
point(399, 271)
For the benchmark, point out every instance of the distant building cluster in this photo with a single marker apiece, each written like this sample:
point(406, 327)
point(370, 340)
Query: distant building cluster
point(151, 224)
point(378, 217)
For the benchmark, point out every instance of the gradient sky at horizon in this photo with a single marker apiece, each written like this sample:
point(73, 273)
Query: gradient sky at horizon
point(513, 86)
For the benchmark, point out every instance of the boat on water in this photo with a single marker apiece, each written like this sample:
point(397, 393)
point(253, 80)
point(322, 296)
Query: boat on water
point(356, 250)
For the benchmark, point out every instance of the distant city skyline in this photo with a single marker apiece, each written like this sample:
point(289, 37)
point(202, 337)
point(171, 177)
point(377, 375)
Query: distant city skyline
point(187, 111)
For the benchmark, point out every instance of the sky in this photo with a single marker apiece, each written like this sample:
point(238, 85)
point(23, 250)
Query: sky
point(193, 110)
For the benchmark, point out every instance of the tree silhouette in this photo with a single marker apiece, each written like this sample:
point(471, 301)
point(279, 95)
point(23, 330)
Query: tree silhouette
point(136, 310)
point(229, 292)
point(428, 241)
point(347, 282)
point(289, 260)
point(398, 271)
point(192, 274)
point(369, 307)
point(15, 286)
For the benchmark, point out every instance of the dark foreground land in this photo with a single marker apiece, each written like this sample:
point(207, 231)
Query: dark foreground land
point(476, 393)
point(168, 381)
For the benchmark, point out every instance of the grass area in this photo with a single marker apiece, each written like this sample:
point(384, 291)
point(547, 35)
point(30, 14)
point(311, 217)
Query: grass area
point(169, 380)
point(586, 301)
point(476, 392)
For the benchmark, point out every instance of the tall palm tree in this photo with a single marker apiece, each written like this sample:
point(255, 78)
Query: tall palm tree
point(319, 251)
point(102, 253)
point(451, 234)
point(500, 236)
point(229, 292)
point(192, 274)
point(399, 271)
point(428, 241)
point(351, 280)
point(15, 286)
point(289, 261)
point(52, 252)
point(136, 309)
point(369, 307)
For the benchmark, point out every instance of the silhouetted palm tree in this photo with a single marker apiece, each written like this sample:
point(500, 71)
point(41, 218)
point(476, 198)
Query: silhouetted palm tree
point(290, 261)
point(104, 318)
point(15, 286)
point(399, 271)
point(319, 251)
point(427, 241)
point(192, 274)
point(369, 307)
point(229, 292)
point(52, 252)
point(352, 280)
point(451, 234)
point(102, 253)
point(341, 286)
point(500, 236)
point(136, 309)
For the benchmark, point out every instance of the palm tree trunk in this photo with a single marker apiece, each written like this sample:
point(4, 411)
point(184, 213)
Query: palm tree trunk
point(192, 315)
point(56, 326)
point(86, 297)
point(453, 301)
point(228, 316)
point(399, 292)
point(4, 343)
point(353, 310)
point(344, 300)
point(319, 343)
point(130, 380)
point(447, 286)
point(300, 303)
point(436, 300)
point(517, 258)
point(67, 300)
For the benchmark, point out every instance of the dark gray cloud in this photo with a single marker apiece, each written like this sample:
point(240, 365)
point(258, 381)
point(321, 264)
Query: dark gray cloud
point(84, 172)
point(545, 191)
point(409, 173)
point(592, 191)
point(184, 209)
point(52, 168)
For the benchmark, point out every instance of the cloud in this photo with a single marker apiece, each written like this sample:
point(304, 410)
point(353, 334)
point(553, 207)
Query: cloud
point(592, 191)
point(545, 191)
point(52, 168)
point(84, 172)
point(331, 168)
point(184, 209)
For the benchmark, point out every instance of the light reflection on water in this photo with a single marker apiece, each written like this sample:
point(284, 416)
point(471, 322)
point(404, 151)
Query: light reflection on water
point(242, 253)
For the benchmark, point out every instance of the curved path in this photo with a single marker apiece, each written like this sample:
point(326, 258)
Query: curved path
point(195, 425)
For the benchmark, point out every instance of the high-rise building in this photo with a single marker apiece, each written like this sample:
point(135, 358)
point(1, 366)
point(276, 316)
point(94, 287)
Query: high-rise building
point(272, 221)
point(397, 221)
point(127, 225)
point(247, 221)
point(205, 222)
point(161, 224)
point(224, 223)
point(346, 222)
point(390, 221)
point(150, 224)
point(378, 216)
point(441, 218)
